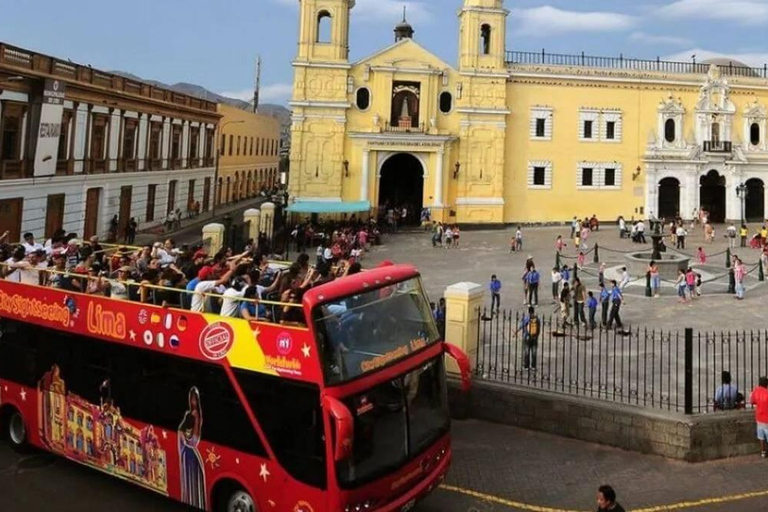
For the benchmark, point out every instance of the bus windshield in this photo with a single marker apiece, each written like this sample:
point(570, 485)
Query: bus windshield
point(368, 331)
point(395, 422)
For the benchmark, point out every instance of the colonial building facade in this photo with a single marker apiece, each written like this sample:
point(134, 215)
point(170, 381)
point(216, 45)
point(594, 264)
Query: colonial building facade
point(249, 156)
point(510, 137)
point(78, 146)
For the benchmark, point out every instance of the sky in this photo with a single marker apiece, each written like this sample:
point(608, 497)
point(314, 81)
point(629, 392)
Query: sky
point(215, 43)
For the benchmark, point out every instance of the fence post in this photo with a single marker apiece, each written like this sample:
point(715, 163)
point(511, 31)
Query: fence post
point(596, 258)
point(761, 271)
point(728, 258)
point(253, 216)
point(688, 371)
point(462, 302)
point(731, 281)
point(216, 233)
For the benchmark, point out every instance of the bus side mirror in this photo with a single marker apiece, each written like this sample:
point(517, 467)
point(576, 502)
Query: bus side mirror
point(463, 363)
point(342, 446)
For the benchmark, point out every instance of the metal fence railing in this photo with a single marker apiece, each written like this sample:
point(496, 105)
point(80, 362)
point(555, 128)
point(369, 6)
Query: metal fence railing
point(622, 63)
point(671, 370)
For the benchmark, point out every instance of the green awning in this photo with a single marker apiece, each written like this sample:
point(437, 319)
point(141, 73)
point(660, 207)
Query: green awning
point(329, 207)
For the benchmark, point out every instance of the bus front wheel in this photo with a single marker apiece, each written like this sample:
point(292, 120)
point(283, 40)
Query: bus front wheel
point(15, 428)
point(234, 498)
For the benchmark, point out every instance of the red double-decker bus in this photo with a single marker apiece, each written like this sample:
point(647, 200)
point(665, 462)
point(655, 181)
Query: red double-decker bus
point(345, 413)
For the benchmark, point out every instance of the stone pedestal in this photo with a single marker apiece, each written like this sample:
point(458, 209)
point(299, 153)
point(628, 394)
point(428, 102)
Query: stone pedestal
point(253, 216)
point(462, 301)
point(213, 235)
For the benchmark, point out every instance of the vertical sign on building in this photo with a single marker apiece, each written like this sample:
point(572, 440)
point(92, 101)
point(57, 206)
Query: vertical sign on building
point(49, 131)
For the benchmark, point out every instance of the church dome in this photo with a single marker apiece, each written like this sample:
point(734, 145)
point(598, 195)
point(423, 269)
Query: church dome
point(403, 30)
point(726, 62)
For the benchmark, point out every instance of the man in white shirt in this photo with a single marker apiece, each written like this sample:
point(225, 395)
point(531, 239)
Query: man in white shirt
point(208, 286)
point(30, 245)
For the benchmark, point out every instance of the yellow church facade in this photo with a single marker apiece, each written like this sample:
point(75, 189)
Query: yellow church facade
point(515, 137)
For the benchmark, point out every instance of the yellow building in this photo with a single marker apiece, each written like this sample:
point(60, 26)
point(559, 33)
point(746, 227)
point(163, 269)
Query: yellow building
point(510, 137)
point(249, 147)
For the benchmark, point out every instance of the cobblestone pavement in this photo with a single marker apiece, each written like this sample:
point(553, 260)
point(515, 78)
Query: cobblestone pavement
point(483, 253)
point(496, 469)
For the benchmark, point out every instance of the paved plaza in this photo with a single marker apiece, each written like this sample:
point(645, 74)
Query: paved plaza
point(482, 253)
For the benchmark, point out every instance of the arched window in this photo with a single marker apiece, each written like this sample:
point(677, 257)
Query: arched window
point(715, 133)
point(485, 39)
point(363, 98)
point(669, 130)
point(754, 134)
point(324, 27)
point(446, 102)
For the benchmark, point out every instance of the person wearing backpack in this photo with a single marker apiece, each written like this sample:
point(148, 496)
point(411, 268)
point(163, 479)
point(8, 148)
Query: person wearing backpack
point(531, 326)
point(727, 395)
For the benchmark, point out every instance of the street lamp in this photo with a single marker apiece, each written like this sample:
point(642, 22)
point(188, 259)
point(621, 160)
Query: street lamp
point(219, 154)
point(741, 193)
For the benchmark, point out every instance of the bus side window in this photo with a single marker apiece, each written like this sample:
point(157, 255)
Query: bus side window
point(17, 355)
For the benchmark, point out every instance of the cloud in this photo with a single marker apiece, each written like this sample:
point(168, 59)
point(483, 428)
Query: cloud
point(755, 60)
point(547, 20)
point(642, 37)
point(274, 93)
point(746, 12)
point(382, 11)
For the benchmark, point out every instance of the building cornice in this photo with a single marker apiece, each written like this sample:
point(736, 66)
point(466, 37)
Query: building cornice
point(484, 74)
point(320, 104)
point(322, 65)
point(484, 111)
point(412, 71)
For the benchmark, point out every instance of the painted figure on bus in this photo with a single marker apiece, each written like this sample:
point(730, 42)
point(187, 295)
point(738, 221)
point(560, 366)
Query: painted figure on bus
point(53, 392)
point(192, 474)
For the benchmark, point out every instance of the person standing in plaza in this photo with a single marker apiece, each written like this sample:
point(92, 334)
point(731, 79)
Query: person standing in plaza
point(616, 298)
point(709, 233)
point(574, 224)
point(565, 303)
point(525, 284)
point(738, 274)
point(580, 298)
point(559, 244)
point(743, 235)
point(624, 278)
point(495, 288)
point(580, 260)
point(606, 500)
point(680, 235)
point(566, 274)
point(448, 237)
point(727, 395)
point(690, 281)
point(601, 273)
point(759, 399)
point(680, 285)
point(533, 278)
point(531, 326)
point(518, 239)
point(557, 278)
point(456, 236)
point(605, 302)
point(641, 232)
point(592, 308)
point(653, 271)
point(584, 235)
point(701, 256)
point(730, 234)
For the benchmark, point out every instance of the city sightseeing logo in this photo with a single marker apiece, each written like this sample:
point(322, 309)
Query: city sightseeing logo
point(216, 340)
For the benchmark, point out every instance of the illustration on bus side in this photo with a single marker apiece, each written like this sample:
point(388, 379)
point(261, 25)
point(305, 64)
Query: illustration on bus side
point(190, 462)
point(97, 435)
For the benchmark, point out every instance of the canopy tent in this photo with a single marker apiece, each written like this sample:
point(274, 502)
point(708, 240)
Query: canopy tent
point(329, 207)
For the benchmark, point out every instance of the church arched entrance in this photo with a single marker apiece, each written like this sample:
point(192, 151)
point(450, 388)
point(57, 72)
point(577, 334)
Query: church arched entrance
point(669, 198)
point(712, 195)
point(402, 185)
point(754, 203)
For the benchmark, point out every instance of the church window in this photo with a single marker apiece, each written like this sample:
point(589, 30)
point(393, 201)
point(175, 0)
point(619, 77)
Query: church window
point(588, 129)
point(363, 98)
point(610, 130)
point(539, 174)
point(754, 134)
point(446, 102)
point(324, 27)
point(540, 126)
point(586, 177)
point(669, 130)
point(485, 39)
point(715, 134)
point(609, 177)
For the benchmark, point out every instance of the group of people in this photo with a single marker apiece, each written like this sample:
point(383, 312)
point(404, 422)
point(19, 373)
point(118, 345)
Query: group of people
point(225, 283)
point(445, 235)
point(348, 239)
point(580, 230)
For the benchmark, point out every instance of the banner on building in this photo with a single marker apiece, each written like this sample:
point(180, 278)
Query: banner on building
point(49, 128)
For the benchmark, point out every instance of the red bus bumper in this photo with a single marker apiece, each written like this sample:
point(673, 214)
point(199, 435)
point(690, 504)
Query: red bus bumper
point(409, 500)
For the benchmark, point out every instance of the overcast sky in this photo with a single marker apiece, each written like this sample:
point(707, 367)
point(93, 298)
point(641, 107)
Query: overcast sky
point(215, 43)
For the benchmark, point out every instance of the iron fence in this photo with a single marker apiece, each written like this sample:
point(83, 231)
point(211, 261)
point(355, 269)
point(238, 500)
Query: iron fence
point(671, 370)
point(623, 63)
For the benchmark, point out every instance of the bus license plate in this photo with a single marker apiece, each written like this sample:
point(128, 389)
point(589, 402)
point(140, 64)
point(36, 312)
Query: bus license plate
point(408, 506)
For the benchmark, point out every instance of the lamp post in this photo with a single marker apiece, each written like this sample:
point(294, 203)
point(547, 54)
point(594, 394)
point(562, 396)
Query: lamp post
point(219, 154)
point(741, 193)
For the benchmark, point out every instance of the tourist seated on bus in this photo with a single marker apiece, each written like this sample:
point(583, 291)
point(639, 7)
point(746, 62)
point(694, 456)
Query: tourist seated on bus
point(727, 396)
point(249, 309)
point(119, 288)
point(292, 312)
point(98, 284)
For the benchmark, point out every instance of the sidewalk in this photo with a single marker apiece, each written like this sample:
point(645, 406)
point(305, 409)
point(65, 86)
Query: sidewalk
point(191, 229)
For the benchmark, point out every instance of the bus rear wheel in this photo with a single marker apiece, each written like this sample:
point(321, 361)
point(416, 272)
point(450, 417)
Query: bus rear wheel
point(15, 428)
point(236, 499)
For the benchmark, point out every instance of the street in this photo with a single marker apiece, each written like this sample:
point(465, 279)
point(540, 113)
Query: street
point(496, 469)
